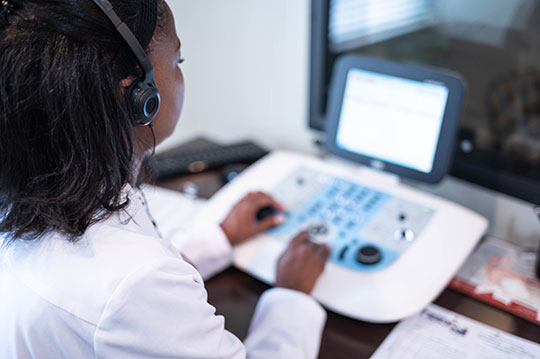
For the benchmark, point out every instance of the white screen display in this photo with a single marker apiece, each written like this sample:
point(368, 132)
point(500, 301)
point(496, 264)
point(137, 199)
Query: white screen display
point(392, 119)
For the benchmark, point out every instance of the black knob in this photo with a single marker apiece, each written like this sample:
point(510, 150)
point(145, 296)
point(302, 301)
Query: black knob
point(264, 212)
point(318, 230)
point(368, 255)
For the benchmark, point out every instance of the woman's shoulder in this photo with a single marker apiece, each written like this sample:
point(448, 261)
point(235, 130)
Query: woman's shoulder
point(80, 277)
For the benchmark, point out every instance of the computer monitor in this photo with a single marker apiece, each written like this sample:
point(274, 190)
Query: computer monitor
point(492, 44)
point(397, 118)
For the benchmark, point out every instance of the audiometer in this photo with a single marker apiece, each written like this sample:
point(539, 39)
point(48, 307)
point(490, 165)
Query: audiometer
point(394, 248)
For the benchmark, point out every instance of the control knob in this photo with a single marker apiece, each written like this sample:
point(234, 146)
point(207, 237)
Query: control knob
point(368, 255)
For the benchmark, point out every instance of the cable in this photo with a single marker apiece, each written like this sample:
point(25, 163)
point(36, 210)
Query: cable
point(147, 208)
point(151, 125)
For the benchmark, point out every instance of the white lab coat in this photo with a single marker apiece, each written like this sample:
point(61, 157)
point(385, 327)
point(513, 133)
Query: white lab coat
point(122, 292)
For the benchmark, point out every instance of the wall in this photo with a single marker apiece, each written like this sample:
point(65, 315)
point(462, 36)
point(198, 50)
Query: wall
point(247, 75)
point(245, 70)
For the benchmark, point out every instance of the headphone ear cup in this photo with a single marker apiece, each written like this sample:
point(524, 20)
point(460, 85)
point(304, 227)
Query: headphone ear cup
point(146, 102)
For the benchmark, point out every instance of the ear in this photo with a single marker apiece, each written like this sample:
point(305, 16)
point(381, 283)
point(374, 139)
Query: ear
point(127, 82)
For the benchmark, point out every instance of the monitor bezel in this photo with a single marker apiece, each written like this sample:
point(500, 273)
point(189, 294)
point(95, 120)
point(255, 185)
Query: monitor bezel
point(449, 125)
point(319, 64)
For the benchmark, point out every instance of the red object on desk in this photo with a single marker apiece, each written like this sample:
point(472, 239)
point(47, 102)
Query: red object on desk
point(513, 307)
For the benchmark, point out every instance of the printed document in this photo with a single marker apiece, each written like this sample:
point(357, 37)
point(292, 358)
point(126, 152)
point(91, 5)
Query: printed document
point(438, 333)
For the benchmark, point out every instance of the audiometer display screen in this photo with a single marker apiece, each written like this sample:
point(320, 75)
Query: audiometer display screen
point(392, 119)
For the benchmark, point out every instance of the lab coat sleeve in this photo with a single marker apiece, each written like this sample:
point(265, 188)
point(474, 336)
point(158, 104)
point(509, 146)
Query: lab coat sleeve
point(208, 249)
point(286, 324)
point(161, 311)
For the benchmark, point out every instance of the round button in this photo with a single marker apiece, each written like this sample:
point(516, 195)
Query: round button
point(318, 229)
point(404, 235)
point(368, 255)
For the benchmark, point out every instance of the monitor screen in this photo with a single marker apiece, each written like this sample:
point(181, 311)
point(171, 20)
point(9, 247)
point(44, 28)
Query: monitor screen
point(392, 119)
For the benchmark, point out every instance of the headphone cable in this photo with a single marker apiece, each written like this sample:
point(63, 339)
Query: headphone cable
point(151, 125)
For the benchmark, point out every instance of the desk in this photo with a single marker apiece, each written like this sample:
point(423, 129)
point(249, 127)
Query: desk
point(235, 294)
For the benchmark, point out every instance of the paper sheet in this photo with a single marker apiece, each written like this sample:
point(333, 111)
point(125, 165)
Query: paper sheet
point(438, 333)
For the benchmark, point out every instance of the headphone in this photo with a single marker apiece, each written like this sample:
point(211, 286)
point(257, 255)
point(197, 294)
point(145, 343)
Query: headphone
point(144, 94)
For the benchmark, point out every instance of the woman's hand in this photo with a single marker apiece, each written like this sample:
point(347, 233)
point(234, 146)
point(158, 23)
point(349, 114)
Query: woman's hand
point(241, 223)
point(301, 264)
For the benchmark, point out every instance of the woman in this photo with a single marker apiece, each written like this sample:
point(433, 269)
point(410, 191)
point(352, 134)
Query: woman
point(83, 270)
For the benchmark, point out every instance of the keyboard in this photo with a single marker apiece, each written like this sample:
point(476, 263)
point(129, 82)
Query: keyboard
point(202, 157)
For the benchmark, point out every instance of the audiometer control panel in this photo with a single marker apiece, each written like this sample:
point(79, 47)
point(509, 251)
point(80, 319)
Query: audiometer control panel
point(367, 230)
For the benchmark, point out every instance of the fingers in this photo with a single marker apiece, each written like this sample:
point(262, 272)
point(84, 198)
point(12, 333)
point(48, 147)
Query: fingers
point(320, 252)
point(323, 252)
point(261, 199)
point(301, 263)
point(258, 200)
point(300, 238)
point(271, 221)
point(276, 204)
point(320, 249)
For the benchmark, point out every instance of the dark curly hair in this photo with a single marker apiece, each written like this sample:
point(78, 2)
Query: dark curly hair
point(66, 135)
